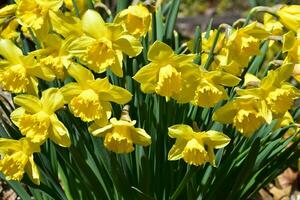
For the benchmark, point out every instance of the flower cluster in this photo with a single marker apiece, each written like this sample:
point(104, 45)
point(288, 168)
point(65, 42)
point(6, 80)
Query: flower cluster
point(76, 48)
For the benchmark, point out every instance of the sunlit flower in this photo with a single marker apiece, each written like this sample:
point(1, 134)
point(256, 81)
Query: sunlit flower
point(136, 18)
point(19, 73)
point(17, 158)
point(247, 113)
point(37, 120)
point(289, 16)
point(35, 13)
point(90, 98)
point(196, 148)
point(120, 135)
point(103, 44)
point(165, 75)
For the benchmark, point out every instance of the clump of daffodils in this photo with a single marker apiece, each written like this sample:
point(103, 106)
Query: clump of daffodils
point(80, 57)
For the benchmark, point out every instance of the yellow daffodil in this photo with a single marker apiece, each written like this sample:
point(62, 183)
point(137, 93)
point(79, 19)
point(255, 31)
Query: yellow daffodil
point(120, 135)
point(54, 55)
point(103, 44)
point(289, 16)
point(37, 120)
point(90, 98)
point(35, 13)
point(291, 45)
point(165, 74)
point(240, 46)
point(196, 148)
point(272, 25)
point(136, 19)
point(17, 158)
point(19, 73)
point(278, 94)
point(208, 89)
point(247, 113)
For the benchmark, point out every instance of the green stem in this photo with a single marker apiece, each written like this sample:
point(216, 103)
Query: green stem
point(211, 52)
point(184, 182)
point(76, 8)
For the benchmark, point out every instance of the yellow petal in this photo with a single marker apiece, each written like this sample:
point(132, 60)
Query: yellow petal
point(32, 171)
point(148, 77)
point(80, 73)
point(129, 45)
point(52, 100)
point(31, 103)
point(59, 133)
point(16, 115)
point(180, 131)
point(216, 139)
point(116, 67)
point(223, 78)
point(10, 51)
point(9, 145)
point(175, 152)
point(159, 51)
point(100, 132)
point(116, 94)
point(70, 90)
point(139, 136)
point(289, 41)
point(93, 24)
point(251, 80)
point(225, 114)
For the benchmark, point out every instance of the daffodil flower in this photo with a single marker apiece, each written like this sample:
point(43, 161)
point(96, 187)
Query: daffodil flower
point(136, 19)
point(278, 94)
point(37, 120)
point(272, 25)
point(240, 46)
point(17, 158)
point(35, 13)
point(54, 55)
point(196, 148)
point(289, 16)
point(207, 88)
point(165, 75)
point(19, 73)
point(247, 113)
point(90, 98)
point(120, 135)
point(103, 44)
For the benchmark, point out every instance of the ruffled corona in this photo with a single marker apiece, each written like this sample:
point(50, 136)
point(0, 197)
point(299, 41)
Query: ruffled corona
point(119, 140)
point(247, 121)
point(55, 64)
point(14, 79)
point(207, 95)
point(194, 153)
point(100, 49)
point(169, 81)
point(86, 106)
point(35, 126)
point(280, 100)
point(12, 166)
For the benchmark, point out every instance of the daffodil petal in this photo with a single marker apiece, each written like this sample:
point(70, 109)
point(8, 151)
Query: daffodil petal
point(116, 94)
point(59, 133)
point(129, 45)
point(16, 115)
point(31, 103)
point(10, 51)
point(93, 24)
point(70, 90)
point(175, 152)
point(159, 51)
point(80, 73)
point(216, 139)
point(100, 132)
point(52, 100)
point(139, 136)
point(225, 114)
point(32, 171)
point(180, 131)
point(116, 67)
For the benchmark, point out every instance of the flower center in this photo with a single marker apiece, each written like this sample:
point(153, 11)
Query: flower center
point(247, 121)
point(119, 140)
point(12, 166)
point(207, 95)
point(35, 126)
point(86, 106)
point(100, 54)
point(14, 79)
point(194, 153)
point(280, 100)
point(169, 81)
